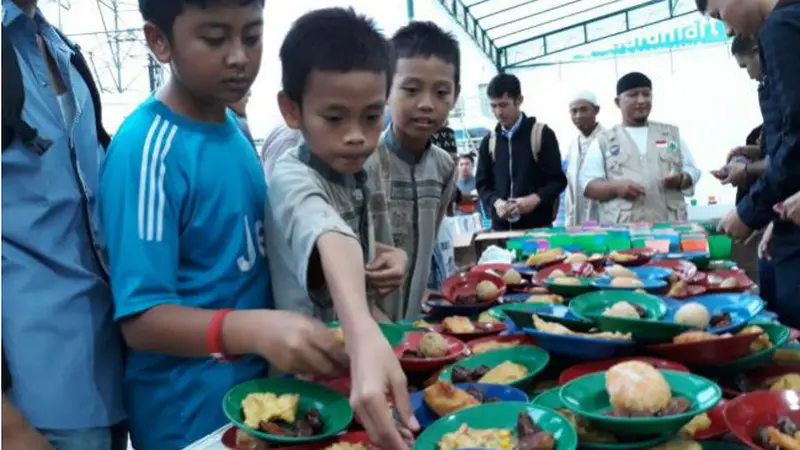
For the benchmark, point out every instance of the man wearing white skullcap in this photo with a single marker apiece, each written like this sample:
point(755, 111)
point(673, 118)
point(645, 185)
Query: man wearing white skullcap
point(583, 110)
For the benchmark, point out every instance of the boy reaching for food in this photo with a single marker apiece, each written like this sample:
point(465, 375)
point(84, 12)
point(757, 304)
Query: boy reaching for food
point(182, 203)
point(412, 180)
point(336, 72)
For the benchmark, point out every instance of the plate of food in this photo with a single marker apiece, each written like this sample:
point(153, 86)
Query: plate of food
point(536, 295)
point(651, 272)
point(702, 348)
point(689, 444)
point(511, 275)
point(591, 367)
point(545, 258)
point(728, 281)
point(625, 304)
point(473, 288)
point(759, 353)
point(591, 438)
point(424, 352)
point(682, 290)
point(575, 270)
point(443, 398)
point(395, 333)
point(515, 367)
point(578, 342)
point(569, 286)
point(717, 313)
point(550, 309)
point(235, 439)
point(598, 260)
point(634, 398)
point(620, 318)
point(629, 284)
point(287, 410)
point(465, 329)
point(766, 419)
point(492, 343)
point(500, 426)
point(684, 270)
point(631, 257)
point(522, 319)
point(773, 377)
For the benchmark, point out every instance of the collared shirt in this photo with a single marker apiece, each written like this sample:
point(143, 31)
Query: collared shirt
point(778, 38)
point(410, 196)
point(508, 134)
point(307, 200)
point(63, 349)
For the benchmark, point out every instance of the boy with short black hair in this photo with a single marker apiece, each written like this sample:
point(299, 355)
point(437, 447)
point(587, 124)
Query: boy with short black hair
point(413, 180)
point(336, 72)
point(182, 200)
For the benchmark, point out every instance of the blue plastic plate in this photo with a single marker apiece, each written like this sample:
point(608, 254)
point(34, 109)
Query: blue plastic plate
point(742, 307)
point(525, 270)
point(651, 272)
point(647, 284)
point(682, 255)
point(425, 416)
point(515, 298)
point(580, 347)
point(498, 312)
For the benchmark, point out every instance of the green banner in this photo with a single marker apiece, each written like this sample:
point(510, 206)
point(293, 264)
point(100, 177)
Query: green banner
point(699, 32)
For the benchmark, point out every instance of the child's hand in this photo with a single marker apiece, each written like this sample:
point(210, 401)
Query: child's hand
point(387, 272)
point(299, 344)
point(375, 371)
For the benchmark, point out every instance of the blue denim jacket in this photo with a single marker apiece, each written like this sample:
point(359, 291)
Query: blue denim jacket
point(63, 350)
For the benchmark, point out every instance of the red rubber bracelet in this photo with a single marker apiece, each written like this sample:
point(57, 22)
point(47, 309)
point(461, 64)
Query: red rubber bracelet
point(214, 337)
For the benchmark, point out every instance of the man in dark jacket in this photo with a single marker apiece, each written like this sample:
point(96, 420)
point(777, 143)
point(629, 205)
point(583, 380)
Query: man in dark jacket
point(519, 177)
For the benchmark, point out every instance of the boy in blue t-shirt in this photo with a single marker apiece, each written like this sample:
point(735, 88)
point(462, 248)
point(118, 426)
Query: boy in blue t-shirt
point(182, 200)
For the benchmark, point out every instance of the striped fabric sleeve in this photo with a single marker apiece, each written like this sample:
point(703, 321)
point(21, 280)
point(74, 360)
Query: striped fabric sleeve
point(278, 142)
point(141, 195)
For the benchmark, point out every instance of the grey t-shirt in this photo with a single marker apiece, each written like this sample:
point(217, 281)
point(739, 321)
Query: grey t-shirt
point(306, 200)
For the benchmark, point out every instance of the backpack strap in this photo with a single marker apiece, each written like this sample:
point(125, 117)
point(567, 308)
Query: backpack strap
point(536, 139)
point(14, 101)
point(82, 67)
point(492, 144)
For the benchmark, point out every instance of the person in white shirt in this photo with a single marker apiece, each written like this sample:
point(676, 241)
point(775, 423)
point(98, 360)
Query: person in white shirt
point(583, 110)
point(279, 141)
point(640, 170)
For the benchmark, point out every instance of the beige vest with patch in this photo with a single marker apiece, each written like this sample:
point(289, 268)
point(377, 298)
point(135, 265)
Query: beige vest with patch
point(623, 161)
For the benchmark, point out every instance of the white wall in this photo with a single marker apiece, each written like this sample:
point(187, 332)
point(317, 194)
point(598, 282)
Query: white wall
point(700, 90)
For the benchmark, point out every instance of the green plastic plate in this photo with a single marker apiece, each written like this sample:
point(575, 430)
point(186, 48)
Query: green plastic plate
point(503, 416)
point(569, 291)
point(334, 408)
point(550, 399)
point(644, 331)
point(595, 303)
point(587, 396)
point(533, 358)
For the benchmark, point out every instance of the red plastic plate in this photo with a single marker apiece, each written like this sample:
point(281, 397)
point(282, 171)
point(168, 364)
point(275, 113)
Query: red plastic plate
point(747, 414)
point(693, 290)
point(683, 269)
point(464, 284)
point(718, 426)
point(581, 269)
point(481, 330)
point(743, 281)
point(455, 350)
point(716, 351)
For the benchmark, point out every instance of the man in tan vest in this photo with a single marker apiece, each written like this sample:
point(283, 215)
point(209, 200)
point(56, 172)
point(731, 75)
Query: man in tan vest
point(583, 110)
point(639, 171)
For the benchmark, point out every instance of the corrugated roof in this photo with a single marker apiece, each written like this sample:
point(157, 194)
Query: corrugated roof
point(512, 32)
